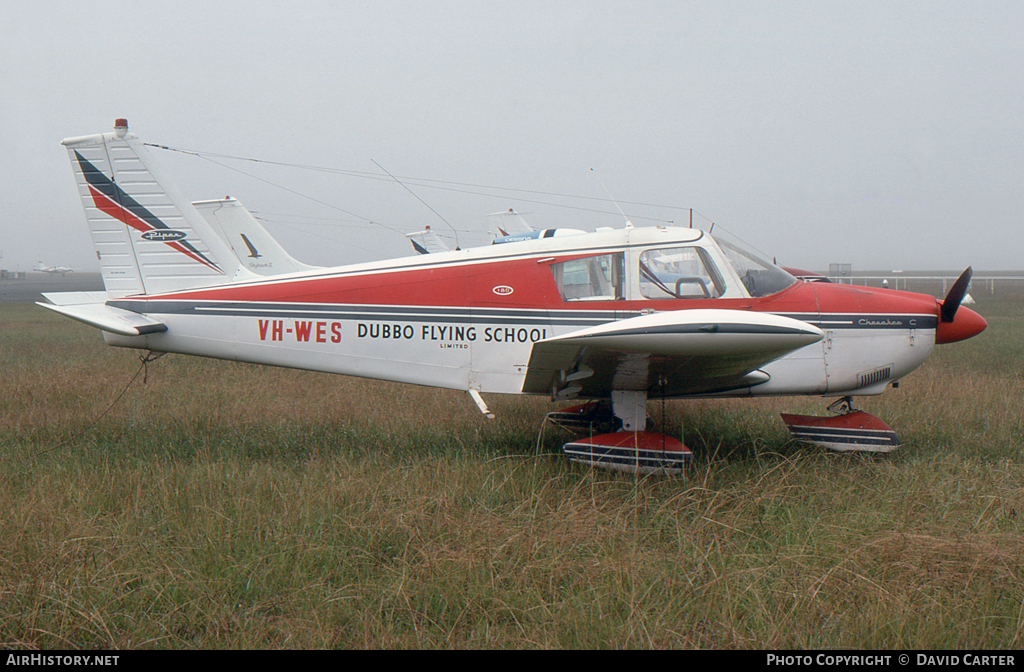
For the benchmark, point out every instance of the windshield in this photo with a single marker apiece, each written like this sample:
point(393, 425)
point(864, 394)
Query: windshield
point(760, 277)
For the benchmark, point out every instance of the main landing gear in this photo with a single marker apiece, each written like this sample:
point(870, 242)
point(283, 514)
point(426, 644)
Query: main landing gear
point(849, 431)
point(617, 434)
point(631, 448)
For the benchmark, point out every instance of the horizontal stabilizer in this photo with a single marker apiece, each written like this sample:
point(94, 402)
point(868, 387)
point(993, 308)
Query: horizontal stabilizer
point(102, 316)
point(75, 298)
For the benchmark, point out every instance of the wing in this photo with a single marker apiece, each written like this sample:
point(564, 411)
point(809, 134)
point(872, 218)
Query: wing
point(674, 353)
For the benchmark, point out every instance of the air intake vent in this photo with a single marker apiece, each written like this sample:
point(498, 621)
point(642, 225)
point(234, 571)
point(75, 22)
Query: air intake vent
point(869, 378)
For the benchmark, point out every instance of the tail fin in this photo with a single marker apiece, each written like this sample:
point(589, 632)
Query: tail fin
point(426, 241)
point(249, 241)
point(509, 223)
point(148, 239)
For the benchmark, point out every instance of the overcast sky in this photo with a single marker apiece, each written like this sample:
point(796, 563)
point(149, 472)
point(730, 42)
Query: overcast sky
point(889, 135)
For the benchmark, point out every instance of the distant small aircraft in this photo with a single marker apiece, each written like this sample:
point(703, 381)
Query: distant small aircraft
point(53, 270)
point(609, 318)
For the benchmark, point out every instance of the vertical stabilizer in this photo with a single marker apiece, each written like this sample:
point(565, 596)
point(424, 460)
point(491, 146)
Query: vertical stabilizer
point(148, 238)
point(509, 223)
point(426, 241)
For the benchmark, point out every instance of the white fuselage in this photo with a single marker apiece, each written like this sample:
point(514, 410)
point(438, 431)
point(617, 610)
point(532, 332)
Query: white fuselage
point(469, 319)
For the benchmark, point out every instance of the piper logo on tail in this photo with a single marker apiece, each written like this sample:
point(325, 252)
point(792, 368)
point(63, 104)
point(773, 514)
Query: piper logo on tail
point(112, 200)
point(164, 235)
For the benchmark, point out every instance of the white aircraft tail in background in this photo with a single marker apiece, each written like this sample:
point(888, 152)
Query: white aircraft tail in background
point(254, 248)
point(427, 241)
point(509, 222)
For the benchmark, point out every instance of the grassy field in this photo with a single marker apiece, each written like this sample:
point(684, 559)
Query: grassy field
point(227, 505)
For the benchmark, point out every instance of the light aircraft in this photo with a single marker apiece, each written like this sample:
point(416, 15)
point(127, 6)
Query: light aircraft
point(613, 316)
point(53, 270)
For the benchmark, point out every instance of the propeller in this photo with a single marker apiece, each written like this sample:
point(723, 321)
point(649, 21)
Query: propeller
point(956, 294)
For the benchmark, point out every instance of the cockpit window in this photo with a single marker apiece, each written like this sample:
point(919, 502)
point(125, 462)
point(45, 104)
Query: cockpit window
point(759, 277)
point(679, 273)
point(591, 278)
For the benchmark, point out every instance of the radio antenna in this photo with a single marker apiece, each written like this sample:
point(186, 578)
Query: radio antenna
point(629, 224)
point(399, 182)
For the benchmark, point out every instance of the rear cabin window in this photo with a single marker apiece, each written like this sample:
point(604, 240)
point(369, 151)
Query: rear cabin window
point(590, 278)
point(679, 273)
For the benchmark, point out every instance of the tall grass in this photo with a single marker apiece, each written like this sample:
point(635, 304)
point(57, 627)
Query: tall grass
point(227, 505)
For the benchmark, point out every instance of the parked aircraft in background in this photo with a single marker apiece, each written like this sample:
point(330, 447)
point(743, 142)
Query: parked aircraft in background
point(53, 270)
point(613, 317)
point(250, 243)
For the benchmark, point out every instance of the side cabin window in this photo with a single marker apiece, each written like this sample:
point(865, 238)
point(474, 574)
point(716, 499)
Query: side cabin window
point(590, 278)
point(679, 273)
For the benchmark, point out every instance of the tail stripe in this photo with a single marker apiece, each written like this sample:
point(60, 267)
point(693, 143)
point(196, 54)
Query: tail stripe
point(112, 200)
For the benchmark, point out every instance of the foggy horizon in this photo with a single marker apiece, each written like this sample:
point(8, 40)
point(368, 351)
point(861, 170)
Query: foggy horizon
point(884, 136)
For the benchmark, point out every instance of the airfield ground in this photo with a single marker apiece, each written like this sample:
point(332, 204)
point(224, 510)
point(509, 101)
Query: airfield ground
point(225, 505)
point(30, 288)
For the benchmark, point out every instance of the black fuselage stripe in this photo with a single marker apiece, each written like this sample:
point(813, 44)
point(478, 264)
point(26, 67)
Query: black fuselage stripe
point(827, 321)
point(265, 308)
point(718, 328)
point(272, 309)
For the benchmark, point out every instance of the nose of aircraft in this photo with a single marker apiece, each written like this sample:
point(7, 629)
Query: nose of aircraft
point(966, 323)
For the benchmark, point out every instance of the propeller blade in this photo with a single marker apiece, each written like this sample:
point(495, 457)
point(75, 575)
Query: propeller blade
point(956, 294)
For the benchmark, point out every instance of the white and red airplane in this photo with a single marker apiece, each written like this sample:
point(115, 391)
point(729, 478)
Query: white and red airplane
point(613, 316)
